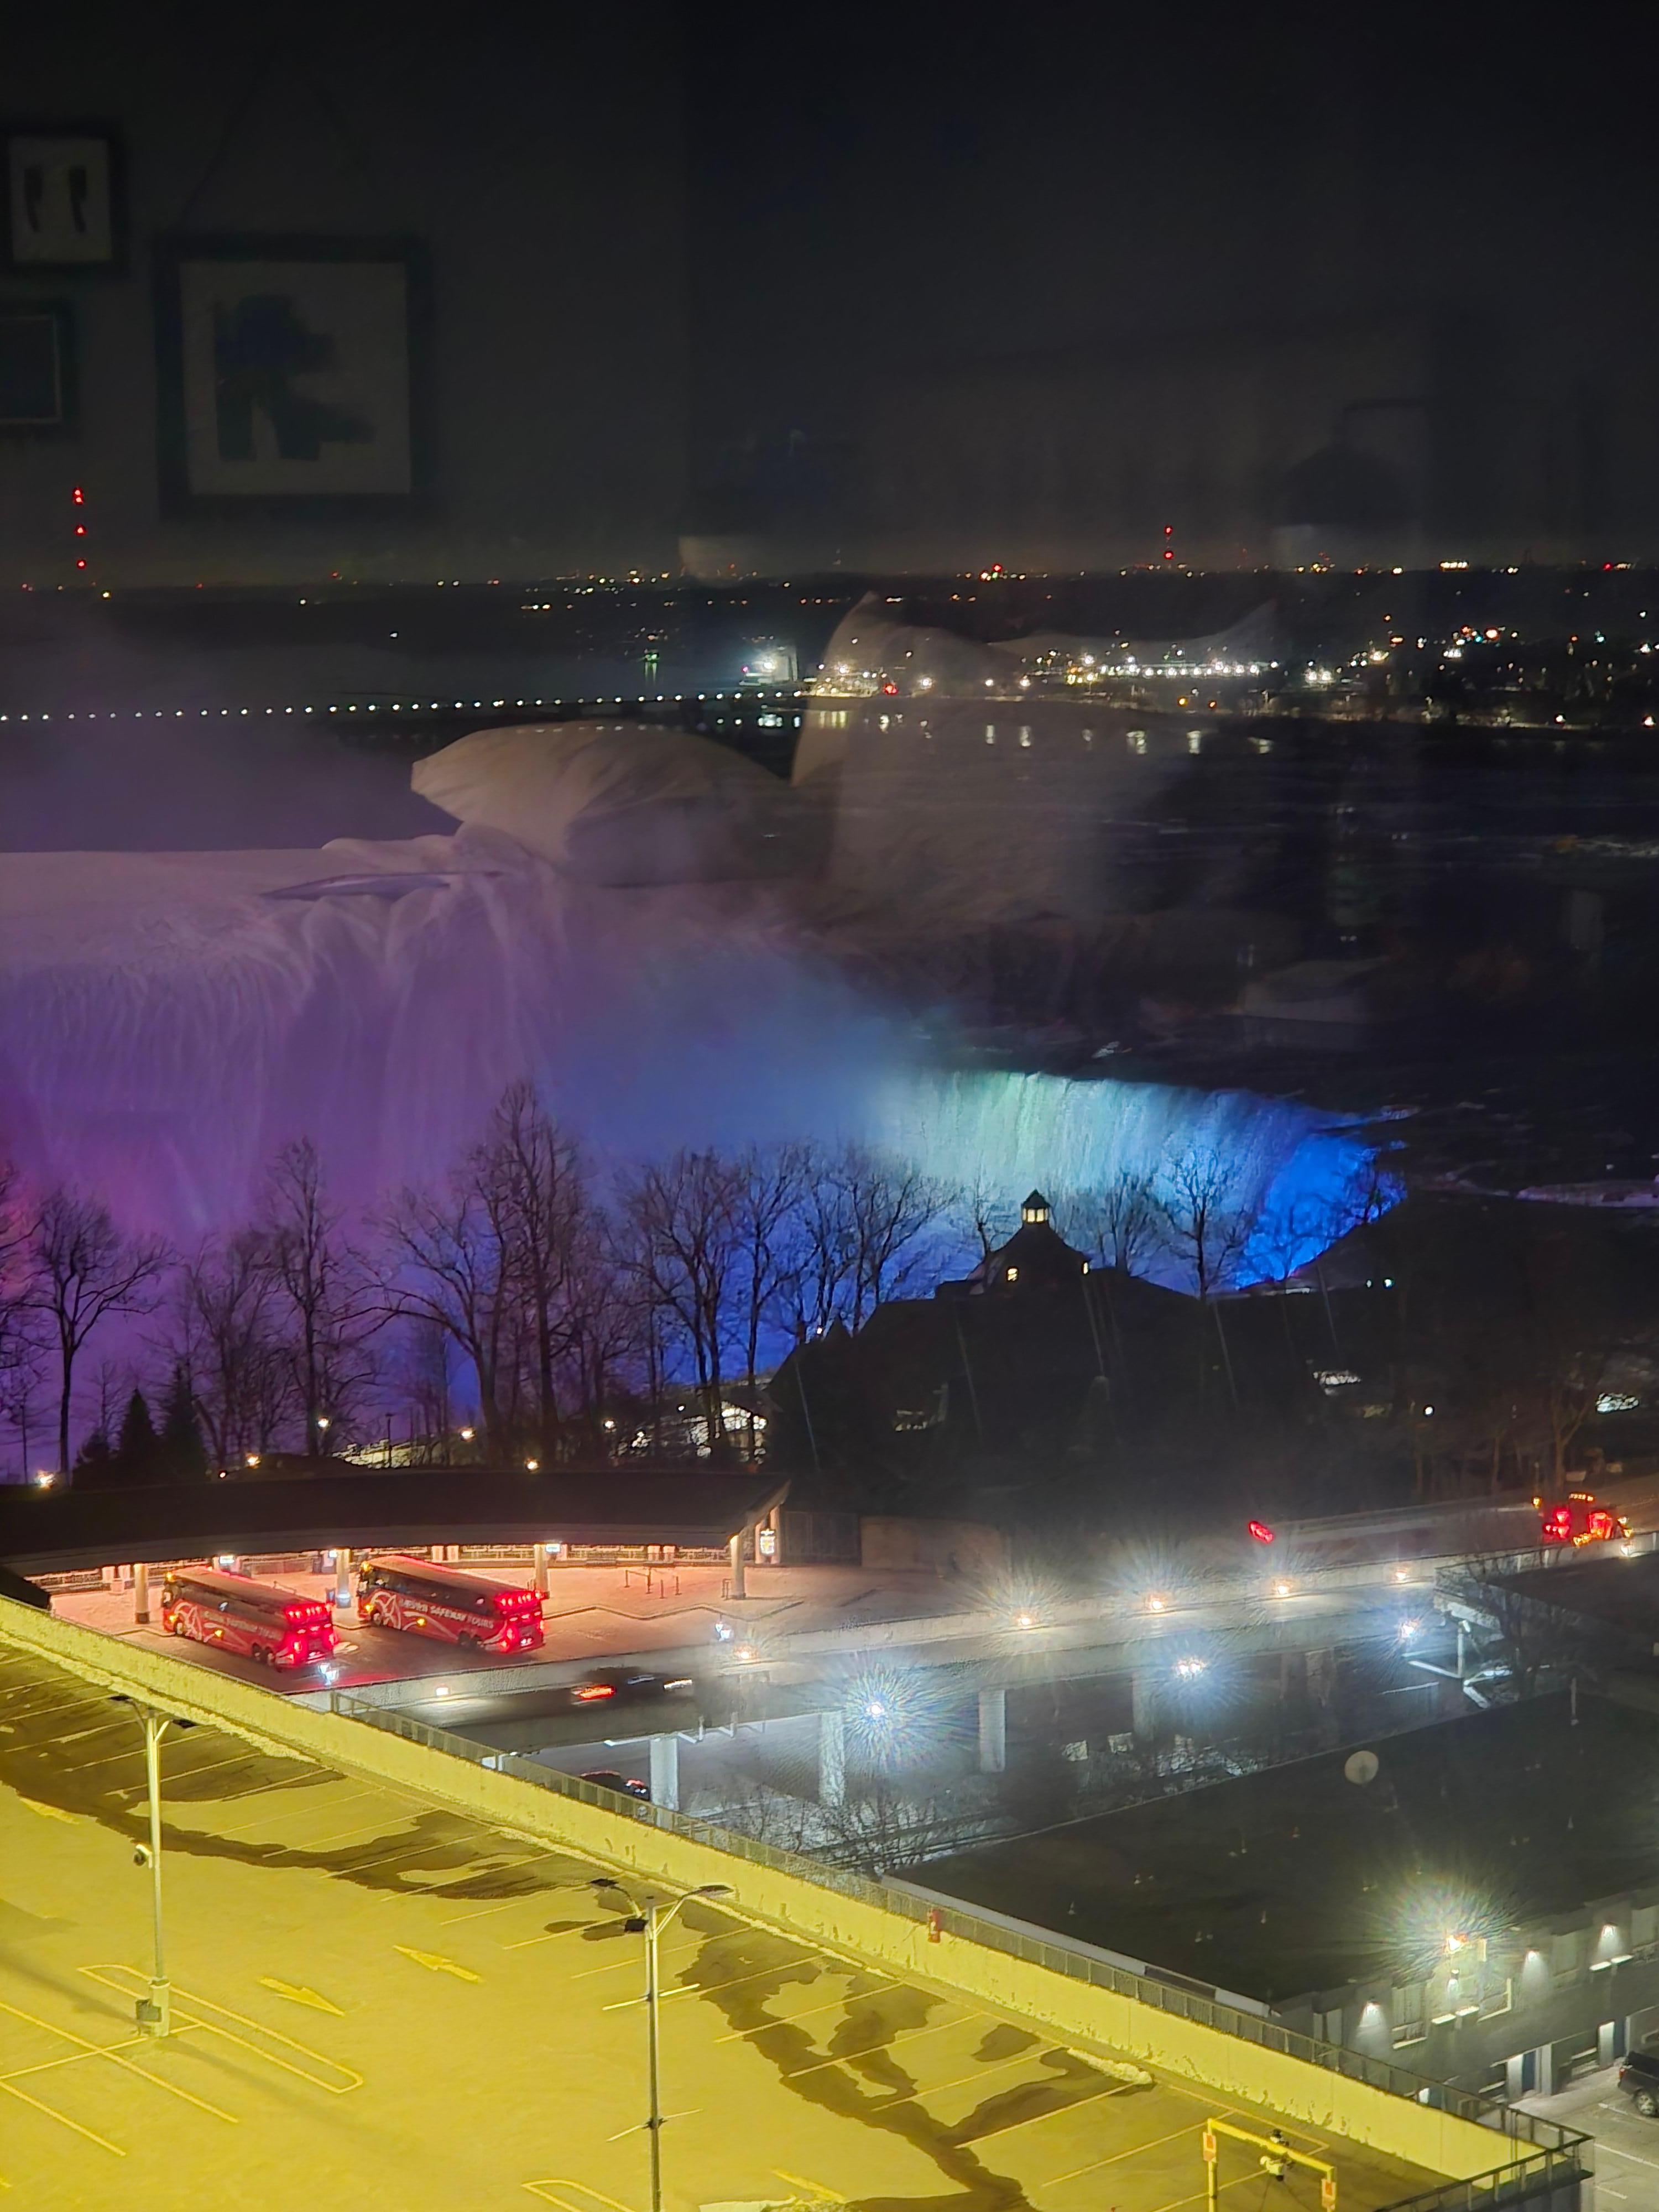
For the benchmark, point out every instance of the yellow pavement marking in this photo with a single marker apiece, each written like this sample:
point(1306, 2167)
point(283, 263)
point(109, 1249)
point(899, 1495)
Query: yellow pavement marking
point(545, 2189)
point(86, 2048)
point(64, 2120)
point(814, 2187)
point(1175, 2203)
point(298, 1994)
point(1095, 2097)
point(552, 1935)
point(347, 2080)
point(435, 1965)
point(1133, 2151)
point(708, 1989)
point(49, 1812)
point(871, 2049)
point(788, 2019)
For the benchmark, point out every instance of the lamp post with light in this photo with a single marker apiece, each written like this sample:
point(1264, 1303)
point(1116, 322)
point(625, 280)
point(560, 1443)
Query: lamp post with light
point(646, 1918)
point(153, 2014)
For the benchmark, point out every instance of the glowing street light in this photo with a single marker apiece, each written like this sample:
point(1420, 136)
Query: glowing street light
point(153, 2014)
point(646, 1918)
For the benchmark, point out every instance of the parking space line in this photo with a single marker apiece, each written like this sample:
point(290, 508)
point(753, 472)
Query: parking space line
point(63, 2119)
point(1133, 2151)
point(86, 2048)
point(813, 2187)
point(915, 2034)
point(712, 1989)
point(1032, 2119)
point(788, 2019)
point(135, 1981)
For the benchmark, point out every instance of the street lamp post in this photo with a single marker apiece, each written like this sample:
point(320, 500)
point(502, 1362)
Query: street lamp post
point(646, 1919)
point(153, 2014)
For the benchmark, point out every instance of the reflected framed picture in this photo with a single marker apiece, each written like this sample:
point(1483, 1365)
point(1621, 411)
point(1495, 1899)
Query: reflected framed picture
point(37, 366)
point(64, 211)
point(293, 372)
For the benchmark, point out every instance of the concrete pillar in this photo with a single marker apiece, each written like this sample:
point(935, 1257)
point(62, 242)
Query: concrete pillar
point(1142, 1703)
point(541, 1571)
point(832, 1760)
point(992, 1731)
point(141, 1591)
point(342, 1578)
point(734, 1553)
point(665, 1770)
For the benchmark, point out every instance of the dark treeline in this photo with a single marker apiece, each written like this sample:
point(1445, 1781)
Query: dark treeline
point(513, 1304)
point(518, 1309)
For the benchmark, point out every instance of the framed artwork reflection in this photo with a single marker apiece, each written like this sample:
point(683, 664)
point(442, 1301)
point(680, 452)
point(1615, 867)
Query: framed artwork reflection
point(37, 366)
point(63, 210)
point(292, 371)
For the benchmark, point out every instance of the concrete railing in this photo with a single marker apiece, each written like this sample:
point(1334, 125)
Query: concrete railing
point(1234, 2054)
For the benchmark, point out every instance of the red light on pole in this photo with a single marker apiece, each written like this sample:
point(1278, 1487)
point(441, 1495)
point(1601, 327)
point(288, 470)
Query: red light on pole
point(1261, 1532)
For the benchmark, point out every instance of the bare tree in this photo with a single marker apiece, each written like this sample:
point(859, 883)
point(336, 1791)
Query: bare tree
point(1122, 1223)
point(684, 1246)
point(544, 1200)
point(21, 1350)
point(323, 1292)
point(450, 1264)
point(82, 1270)
point(986, 1214)
point(770, 1187)
point(890, 1207)
point(816, 1246)
point(1208, 1219)
point(225, 1337)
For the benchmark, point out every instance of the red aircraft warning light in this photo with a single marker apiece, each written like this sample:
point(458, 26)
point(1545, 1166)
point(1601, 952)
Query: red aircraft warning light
point(1261, 1532)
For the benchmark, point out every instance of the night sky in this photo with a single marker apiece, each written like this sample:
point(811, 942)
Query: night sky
point(874, 185)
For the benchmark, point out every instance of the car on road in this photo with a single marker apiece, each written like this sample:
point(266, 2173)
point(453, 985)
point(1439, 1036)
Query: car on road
point(625, 1785)
point(1638, 2077)
point(615, 1684)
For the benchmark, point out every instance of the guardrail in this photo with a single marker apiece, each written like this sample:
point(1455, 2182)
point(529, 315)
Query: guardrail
point(1553, 2156)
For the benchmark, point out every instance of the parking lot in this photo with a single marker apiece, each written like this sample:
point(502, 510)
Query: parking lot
point(377, 1996)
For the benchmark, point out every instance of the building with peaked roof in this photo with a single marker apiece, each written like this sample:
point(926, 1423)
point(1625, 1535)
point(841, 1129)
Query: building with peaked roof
point(1036, 1257)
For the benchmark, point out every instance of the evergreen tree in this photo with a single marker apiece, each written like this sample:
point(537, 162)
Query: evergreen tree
point(94, 1466)
point(135, 1449)
point(182, 1455)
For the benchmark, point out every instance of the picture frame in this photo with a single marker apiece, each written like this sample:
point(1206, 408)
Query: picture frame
point(293, 373)
point(37, 367)
point(63, 199)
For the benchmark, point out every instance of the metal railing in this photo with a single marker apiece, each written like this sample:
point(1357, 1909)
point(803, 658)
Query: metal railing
point(1553, 2154)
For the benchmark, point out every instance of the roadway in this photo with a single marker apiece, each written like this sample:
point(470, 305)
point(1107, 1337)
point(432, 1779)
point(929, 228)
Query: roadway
point(801, 1623)
point(376, 1994)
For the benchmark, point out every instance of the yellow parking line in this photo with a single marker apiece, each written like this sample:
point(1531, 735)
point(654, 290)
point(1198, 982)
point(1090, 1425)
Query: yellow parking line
point(545, 2189)
point(352, 2080)
point(63, 2118)
point(1076, 2104)
point(1133, 2151)
point(914, 2036)
point(710, 1989)
point(552, 1935)
point(812, 2188)
point(111, 2052)
point(788, 2019)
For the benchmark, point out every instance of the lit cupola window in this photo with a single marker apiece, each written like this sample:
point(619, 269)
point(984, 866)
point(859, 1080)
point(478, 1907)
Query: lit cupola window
point(1034, 1213)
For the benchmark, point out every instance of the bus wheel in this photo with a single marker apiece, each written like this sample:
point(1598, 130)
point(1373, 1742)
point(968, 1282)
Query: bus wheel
point(465, 1643)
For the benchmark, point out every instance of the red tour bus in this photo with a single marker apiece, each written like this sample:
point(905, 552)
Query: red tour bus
point(254, 1620)
point(395, 1591)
